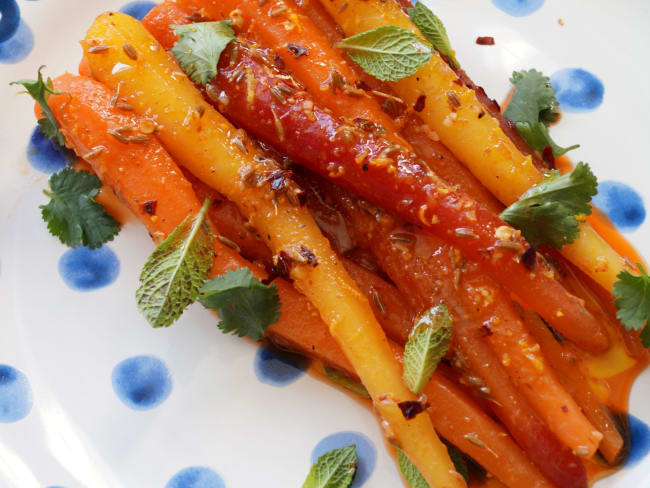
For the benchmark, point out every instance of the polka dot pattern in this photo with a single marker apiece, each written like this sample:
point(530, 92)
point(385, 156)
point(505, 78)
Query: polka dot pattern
point(44, 154)
point(518, 8)
point(622, 204)
point(366, 453)
point(196, 477)
point(15, 394)
point(84, 269)
point(577, 90)
point(142, 382)
point(639, 440)
point(9, 19)
point(278, 368)
point(18, 46)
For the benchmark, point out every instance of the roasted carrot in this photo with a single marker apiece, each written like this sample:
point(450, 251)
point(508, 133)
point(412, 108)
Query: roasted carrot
point(566, 362)
point(202, 141)
point(374, 168)
point(315, 74)
point(479, 141)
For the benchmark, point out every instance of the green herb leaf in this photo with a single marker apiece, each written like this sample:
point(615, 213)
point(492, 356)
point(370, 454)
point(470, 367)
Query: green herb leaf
point(427, 345)
point(532, 107)
point(633, 302)
point(387, 52)
point(73, 215)
point(40, 90)
point(199, 46)
point(460, 464)
point(245, 304)
point(410, 472)
point(548, 213)
point(173, 274)
point(433, 29)
point(347, 382)
point(334, 469)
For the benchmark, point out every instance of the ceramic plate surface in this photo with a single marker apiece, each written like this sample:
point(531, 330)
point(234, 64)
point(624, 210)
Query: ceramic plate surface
point(91, 396)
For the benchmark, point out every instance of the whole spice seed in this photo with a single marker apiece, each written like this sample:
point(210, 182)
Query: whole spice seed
point(118, 135)
point(138, 139)
point(418, 106)
point(379, 305)
point(130, 51)
point(277, 94)
point(228, 243)
point(274, 12)
point(96, 151)
point(485, 41)
point(98, 49)
point(124, 106)
point(400, 237)
point(297, 50)
point(510, 245)
point(453, 99)
point(465, 233)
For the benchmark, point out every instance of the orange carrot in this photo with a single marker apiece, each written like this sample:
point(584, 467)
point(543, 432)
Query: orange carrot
point(566, 362)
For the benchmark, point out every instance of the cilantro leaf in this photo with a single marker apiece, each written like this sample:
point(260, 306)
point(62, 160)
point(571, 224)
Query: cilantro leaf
point(173, 274)
point(387, 52)
point(427, 345)
point(245, 304)
point(633, 302)
point(334, 469)
point(199, 46)
point(73, 215)
point(40, 90)
point(533, 106)
point(410, 472)
point(548, 213)
point(346, 382)
point(433, 29)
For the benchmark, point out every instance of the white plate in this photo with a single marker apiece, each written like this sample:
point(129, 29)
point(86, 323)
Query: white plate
point(62, 422)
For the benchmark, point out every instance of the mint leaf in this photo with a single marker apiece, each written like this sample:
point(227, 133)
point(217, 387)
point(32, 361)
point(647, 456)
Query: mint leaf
point(334, 469)
point(388, 53)
point(633, 301)
point(547, 213)
point(173, 274)
point(40, 90)
point(245, 304)
point(433, 29)
point(73, 215)
point(427, 345)
point(347, 382)
point(533, 106)
point(199, 46)
point(410, 472)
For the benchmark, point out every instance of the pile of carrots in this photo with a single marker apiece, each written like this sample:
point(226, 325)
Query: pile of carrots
point(399, 212)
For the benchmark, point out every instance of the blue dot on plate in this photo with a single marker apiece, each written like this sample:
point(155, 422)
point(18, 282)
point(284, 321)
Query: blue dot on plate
point(85, 269)
point(366, 453)
point(137, 9)
point(196, 477)
point(518, 8)
point(9, 19)
point(15, 394)
point(18, 46)
point(278, 368)
point(142, 382)
point(44, 154)
point(622, 204)
point(639, 440)
point(577, 90)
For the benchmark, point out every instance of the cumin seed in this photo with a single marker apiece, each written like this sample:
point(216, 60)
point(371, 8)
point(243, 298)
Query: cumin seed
point(130, 51)
point(98, 49)
point(228, 243)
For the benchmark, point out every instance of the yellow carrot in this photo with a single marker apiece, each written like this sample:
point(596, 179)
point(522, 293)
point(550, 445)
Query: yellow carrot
point(471, 133)
point(200, 139)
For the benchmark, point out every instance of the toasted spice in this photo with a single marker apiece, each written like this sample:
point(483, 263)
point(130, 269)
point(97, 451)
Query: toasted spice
point(228, 243)
point(130, 51)
point(379, 304)
point(485, 41)
point(297, 50)
point(453, 100)
point(418, 106)
point(118, 135)
point(96, 151)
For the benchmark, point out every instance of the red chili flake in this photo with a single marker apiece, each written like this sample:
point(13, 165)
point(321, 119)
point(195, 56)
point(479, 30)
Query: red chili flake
point(485, 330)
point(308, 256)
point(149, 207)
point(418, 106)
point(361, 85)
point(485, 41)
point(529, 258)
point(411, 408)
point(565, 409)
point(282, 266)
point(297, 50)
point(279, 62)
point(548, 156)
point(459, 82)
